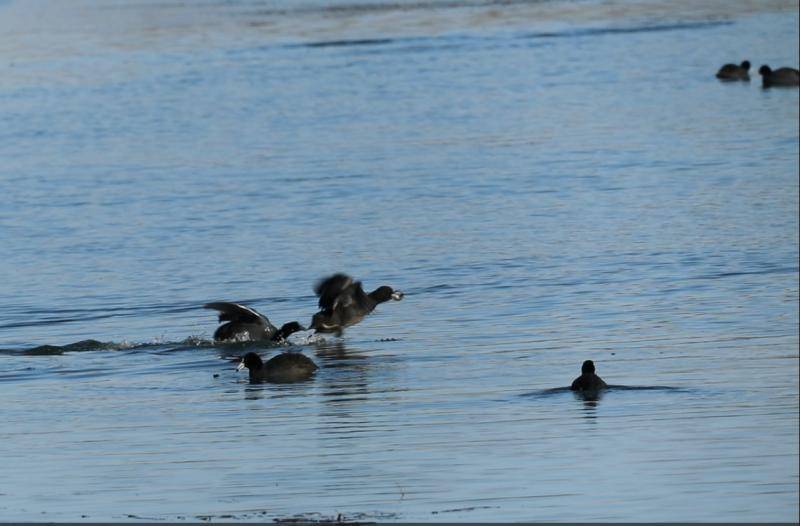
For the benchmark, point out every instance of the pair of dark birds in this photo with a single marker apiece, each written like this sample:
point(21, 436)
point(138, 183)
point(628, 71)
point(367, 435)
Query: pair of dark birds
point(769, 77)
point(291, 367)
point(342, 303)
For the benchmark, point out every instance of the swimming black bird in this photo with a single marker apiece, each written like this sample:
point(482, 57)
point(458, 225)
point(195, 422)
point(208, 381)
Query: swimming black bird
point(779, 77)
point(343, 302)
point(588, 381)
point(285, 367)
point(246, 324)
point(734, 72)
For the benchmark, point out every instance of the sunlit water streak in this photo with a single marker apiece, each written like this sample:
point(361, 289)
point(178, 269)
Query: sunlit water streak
point(547, 182)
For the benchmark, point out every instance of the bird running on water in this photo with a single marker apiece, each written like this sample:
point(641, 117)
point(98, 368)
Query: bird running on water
point(343, 303)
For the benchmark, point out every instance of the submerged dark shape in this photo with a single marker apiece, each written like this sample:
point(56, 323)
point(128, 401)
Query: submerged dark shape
point(588, 381)
point(779, 77)
point(246, 324)
point(343, 302)
point(734, 72)
point(285, 367)
point(83, 345)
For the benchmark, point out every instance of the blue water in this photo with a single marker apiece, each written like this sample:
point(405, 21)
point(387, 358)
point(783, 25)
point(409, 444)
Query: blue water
point(548, 182)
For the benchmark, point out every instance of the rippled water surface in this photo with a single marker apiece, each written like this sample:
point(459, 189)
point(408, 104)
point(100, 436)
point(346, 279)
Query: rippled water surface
point(548, 182)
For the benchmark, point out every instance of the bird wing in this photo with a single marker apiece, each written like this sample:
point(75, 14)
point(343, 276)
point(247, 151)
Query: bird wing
point(333, 291)
point(235, 312)
point(359, 298)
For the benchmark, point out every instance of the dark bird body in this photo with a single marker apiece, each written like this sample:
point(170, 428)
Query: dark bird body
point(343, 303)
point(734, 72)
point(285, 367)
point(246, 324)
point(786, 77)
point(588, 381)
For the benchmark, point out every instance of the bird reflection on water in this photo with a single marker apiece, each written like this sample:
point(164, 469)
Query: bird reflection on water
point(351, 383)
point(590, 402)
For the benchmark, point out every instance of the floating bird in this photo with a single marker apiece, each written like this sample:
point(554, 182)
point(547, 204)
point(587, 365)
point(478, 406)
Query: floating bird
point(588, 381)
point(734, 72)
point(779, 77)
point(343, 303)
point(246, 324)
point(285, 367)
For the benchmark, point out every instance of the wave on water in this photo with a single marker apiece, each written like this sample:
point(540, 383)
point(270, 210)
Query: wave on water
point(646, 28)
point(570, 33)
point(34, 317)
point(20, 317)
point(366, 8)
point(357, 42)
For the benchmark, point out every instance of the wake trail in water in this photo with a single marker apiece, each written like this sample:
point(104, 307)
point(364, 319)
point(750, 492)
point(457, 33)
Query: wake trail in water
point(610, 388)
point(95, 345)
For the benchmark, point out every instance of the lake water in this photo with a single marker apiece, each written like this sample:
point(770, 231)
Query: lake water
point(547, 181)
